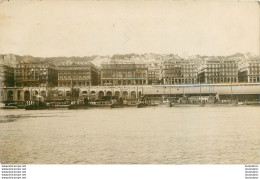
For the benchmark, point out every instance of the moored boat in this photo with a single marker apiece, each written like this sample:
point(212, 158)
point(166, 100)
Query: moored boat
point(61, 106)
point(9, 107)
point(186, 105)
point(34, 107)
point(37, 105)
point(117, 105)
point(252, 103)
point(78, 106)
point(141, 105)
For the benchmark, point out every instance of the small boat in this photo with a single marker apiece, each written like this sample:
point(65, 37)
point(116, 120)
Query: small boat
point(186, 105)
point(241, 103)
point(165, 103)
point(78, 106)
point(21, 106)
point(117, 105)
point(9, 107)
point(141, 105)
point(152, 104)
point(120, 104)
point(61, 106)
point(230, 103)
point(252, 103)
point(98, 104)
point(37, 106)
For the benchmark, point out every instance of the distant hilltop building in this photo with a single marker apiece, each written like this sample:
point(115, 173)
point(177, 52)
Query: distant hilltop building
point(8, 59)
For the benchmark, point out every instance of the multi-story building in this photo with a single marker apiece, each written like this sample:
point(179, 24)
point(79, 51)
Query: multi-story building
point(218, 70)
point(177, 71)
point(7, 70)
point(153, 76)
point(249, 70)
point(124, 74)
point(35, 75)
point(77, 75)
point(6, 76)
point(154, 73)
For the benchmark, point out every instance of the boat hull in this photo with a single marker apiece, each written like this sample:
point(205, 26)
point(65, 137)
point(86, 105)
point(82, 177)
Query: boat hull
point(36, 107)
point(141, 105)
point(9, 107)
point(117, 105)
point(186, 105)
point(78, 107)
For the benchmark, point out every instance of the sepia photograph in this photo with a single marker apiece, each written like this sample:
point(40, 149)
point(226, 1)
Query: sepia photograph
point(129, 82)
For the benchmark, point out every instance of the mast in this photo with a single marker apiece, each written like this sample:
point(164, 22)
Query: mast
point(142, 88)
point(71, 90)
point(164, 92)
point(183, 85)
point(183, 90)
point(200, 88)
point(231, 90)
point(209, 88)
point(137, 94)
point(170, 91)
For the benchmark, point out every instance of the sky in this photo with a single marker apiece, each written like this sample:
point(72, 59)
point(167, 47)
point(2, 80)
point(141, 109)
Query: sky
point(84, 28)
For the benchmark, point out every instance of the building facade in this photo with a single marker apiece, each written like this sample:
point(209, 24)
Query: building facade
point(178, 71)
point(35, 75)
point(124, 74)
point(153, 76)
point(249, 71)
point(6, 76)
point(218, 70)
point(77, 75)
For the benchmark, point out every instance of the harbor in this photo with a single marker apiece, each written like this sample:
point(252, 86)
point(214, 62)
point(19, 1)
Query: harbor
point(132, 96)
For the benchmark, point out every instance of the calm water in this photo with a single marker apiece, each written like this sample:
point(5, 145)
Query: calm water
point(184, 135)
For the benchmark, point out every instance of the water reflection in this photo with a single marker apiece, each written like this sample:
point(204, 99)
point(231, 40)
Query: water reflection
point(149, 135)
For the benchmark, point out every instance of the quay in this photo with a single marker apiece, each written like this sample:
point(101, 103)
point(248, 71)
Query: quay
point(240, 91)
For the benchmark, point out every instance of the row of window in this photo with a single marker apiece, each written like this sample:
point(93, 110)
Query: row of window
point(30, 78)
point(221, 74)
point(31, 74)
point(123, 82)
point(178, 66)
point(68, 84)
point(124, 75)
point(74, 72)
point(179, 81)
point(220, 65)
point(254, 72)
point(74, 77)
point(31, 84)
point(221, 80)
point(111, 66)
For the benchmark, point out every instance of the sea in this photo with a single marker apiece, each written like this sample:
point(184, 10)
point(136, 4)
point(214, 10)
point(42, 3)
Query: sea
point(152, 135)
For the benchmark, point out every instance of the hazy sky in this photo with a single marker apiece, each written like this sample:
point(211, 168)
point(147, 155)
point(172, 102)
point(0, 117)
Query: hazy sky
point(82, 28)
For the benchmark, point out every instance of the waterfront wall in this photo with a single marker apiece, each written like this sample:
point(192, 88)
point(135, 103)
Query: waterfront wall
point(95, 92)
